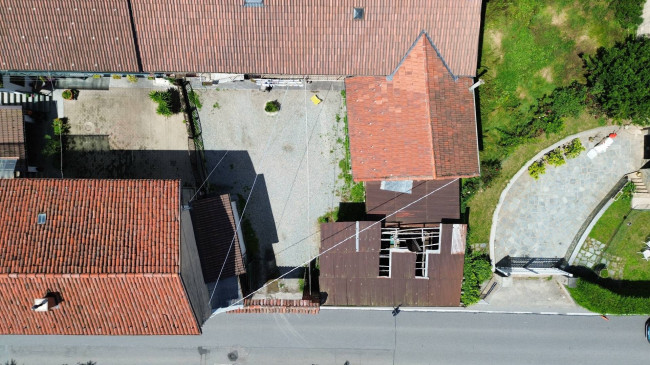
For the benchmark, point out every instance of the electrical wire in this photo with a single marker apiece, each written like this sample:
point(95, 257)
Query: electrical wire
point(336, 245)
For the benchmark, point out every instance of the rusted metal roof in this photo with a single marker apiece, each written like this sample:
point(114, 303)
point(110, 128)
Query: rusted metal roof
point(214, 231)
point(348, 277)
point(443, 204)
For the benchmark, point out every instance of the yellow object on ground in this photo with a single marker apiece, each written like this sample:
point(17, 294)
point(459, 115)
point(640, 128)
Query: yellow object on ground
point(315, 99)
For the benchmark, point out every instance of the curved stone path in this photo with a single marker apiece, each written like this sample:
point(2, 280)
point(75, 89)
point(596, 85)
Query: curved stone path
point(540, 218)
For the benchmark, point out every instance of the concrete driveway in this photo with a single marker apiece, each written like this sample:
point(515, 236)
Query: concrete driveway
point(289, 160)
point(540, 218)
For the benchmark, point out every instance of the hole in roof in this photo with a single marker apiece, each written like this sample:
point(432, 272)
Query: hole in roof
point(254, 3)
point(41, 218)
point(358, 13)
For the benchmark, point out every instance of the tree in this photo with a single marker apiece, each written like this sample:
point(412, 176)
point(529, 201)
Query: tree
point(618, 78)
point(628, 13)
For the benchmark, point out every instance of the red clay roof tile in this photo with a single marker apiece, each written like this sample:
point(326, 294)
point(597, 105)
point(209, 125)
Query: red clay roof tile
point(91, 227)
point(418, 125)
point(109, 248)
point(60, 35)
point(302, 37)
point(12, 135)
point(97, 305)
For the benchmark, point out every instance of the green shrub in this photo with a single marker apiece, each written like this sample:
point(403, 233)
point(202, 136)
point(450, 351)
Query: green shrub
point(67, 94)
point(168, 101)
point(272, 106)
point(52, 146)
point(116, 77)
point(628, 13)
point(601, 300)
point(331, 216)
point(566, 101)
point(132, 78)
point(537, 169)
point(60, 126)
point(618, 78)
point(195, 99)
point(628, 190)
point(301, 284)
point(490, 169)
point(477, 270)
point(97, 76)
point(555, 157)
point(216, 105)
point(573, 148)
point(151, 78)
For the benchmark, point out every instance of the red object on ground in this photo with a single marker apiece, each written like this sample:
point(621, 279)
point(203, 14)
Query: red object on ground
point(612, 135)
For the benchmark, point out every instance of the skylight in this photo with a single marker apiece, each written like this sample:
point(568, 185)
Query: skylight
point(41, 218)
point(358, 13)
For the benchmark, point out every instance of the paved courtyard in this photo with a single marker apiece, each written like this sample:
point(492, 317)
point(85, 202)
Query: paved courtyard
point(294, 156)
point(540, 218)
point(116, 133)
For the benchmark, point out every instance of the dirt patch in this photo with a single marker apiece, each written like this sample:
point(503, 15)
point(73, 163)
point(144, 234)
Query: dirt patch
point(522, 93)
point(547, 74)
point(558, 18)
point(586, 45)
point(495, 38)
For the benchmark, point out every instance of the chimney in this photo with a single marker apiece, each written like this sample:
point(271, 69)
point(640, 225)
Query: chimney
point(43, 304)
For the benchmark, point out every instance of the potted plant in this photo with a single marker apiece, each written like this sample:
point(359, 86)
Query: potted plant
point(70, 94)
point(272, 107)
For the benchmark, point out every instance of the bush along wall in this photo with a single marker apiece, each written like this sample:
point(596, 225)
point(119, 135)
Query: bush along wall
point(556, 157)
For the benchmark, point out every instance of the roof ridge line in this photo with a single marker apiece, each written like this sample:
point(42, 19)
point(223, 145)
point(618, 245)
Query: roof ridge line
point(455, 77)
point(423, 32)
point(429, 112)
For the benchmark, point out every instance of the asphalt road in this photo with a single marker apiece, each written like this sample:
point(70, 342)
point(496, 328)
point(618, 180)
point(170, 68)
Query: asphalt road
point(359, 337)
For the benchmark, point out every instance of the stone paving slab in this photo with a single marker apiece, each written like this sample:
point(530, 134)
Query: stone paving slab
point(295, 152)
point(540, 218)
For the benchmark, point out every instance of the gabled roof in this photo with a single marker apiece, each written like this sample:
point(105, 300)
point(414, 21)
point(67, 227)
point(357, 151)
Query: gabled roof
point(100, 304)
point(109, 249)
point(63, 35)
point(12, 134)
point(91, 226)
point(215, 231)
point(417, 124)
point(441, 202)
point(351, 278)
point(302, 37)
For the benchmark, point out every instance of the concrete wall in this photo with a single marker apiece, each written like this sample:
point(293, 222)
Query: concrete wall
point(191, 270)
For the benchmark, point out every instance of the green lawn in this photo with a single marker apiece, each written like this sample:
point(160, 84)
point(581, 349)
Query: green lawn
point(611, 220)
point(629, 241)
point(530, 47)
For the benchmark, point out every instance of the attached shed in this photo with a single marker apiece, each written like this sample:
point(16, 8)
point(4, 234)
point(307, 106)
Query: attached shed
point(367, 264)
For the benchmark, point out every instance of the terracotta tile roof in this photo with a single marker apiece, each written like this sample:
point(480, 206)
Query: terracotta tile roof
point(109, 248)
point(214, 230)
point(90, 35)
point(12, 134)
point(302, 37)
point(97, 304)
point(418, 124)
point(92, 226)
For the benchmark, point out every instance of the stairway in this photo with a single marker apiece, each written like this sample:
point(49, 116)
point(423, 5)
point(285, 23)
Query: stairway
point(641, 188)
point(35, 102)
